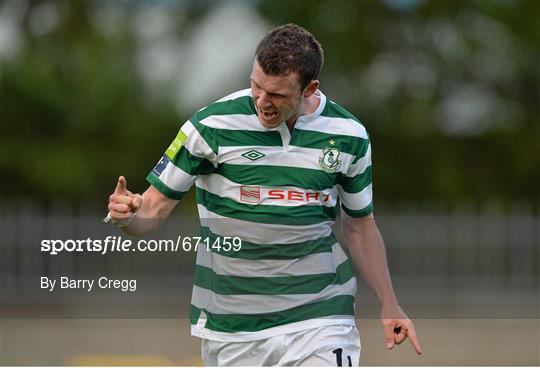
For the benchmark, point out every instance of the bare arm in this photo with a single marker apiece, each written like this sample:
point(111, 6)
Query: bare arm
point(137, 214)
point(368, 254)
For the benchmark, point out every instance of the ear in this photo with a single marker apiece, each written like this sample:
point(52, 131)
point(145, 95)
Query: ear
point(311, 88)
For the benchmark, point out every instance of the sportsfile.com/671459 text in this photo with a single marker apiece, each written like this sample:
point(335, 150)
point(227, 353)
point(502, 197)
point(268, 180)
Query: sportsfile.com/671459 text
point(119, 244)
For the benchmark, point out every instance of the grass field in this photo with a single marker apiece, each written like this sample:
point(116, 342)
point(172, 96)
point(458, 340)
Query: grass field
point(167, 342)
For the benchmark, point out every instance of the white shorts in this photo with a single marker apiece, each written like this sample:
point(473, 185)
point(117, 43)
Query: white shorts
point(335, 346)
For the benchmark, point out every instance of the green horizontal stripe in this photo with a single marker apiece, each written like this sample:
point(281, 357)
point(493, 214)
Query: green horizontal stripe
point(233, 138)
point(333, 110)
point(301, 138)
point(192, 164)
point(279, 285)
point(357, 183)
point(194, 314)
point(359, 213)
point(277, 176)
point(339, 305)
point(317, 140)
point(299, 215)
point(257, 251)
point(163, 188)
point(241, 105)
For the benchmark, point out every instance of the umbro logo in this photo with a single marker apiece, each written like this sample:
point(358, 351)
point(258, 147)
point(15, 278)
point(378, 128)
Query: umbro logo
point(253, 155)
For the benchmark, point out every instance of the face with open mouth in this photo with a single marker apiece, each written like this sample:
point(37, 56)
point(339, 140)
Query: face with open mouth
point(277, 98)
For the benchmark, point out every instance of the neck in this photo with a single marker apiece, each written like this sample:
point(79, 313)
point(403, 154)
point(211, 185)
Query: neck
point(308, 106)
point(291, 122)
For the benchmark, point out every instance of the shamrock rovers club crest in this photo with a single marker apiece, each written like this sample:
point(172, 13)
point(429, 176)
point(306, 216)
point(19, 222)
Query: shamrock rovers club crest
point(329, 160)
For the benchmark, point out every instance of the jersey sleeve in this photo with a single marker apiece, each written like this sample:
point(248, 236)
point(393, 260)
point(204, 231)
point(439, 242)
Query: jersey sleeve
point(193, 152)
point(355, 187)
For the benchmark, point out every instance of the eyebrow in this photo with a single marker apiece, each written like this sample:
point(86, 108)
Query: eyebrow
point(271, 93)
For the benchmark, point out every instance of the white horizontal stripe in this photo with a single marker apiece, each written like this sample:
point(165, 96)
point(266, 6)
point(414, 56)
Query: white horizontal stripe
point(196, 144)
point(339, 254)
point(361, 165)
point(200, 297)
point(235, 122)
point(332, 125)
point(176, 178)
point(256, 303)
point(274, 196)
point(262, 233)
point(235, 95)
point(309, 265)
point(301, 157)
point(356, 201)
point(187, 128)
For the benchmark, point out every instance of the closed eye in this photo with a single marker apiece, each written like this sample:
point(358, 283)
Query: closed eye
point(273, 94)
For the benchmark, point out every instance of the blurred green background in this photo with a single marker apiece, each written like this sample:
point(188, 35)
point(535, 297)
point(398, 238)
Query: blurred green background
point(448, 90)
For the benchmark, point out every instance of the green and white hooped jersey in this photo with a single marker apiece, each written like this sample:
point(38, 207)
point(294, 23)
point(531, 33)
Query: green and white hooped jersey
point(279, 193)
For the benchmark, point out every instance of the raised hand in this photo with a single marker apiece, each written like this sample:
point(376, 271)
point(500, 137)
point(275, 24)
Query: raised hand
point(123, 204)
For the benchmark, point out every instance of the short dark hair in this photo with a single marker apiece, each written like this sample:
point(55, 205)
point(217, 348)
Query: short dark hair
point(290, 48)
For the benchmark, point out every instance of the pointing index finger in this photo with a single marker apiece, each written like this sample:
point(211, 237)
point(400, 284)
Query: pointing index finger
point(121, 186)
point(414, 341)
